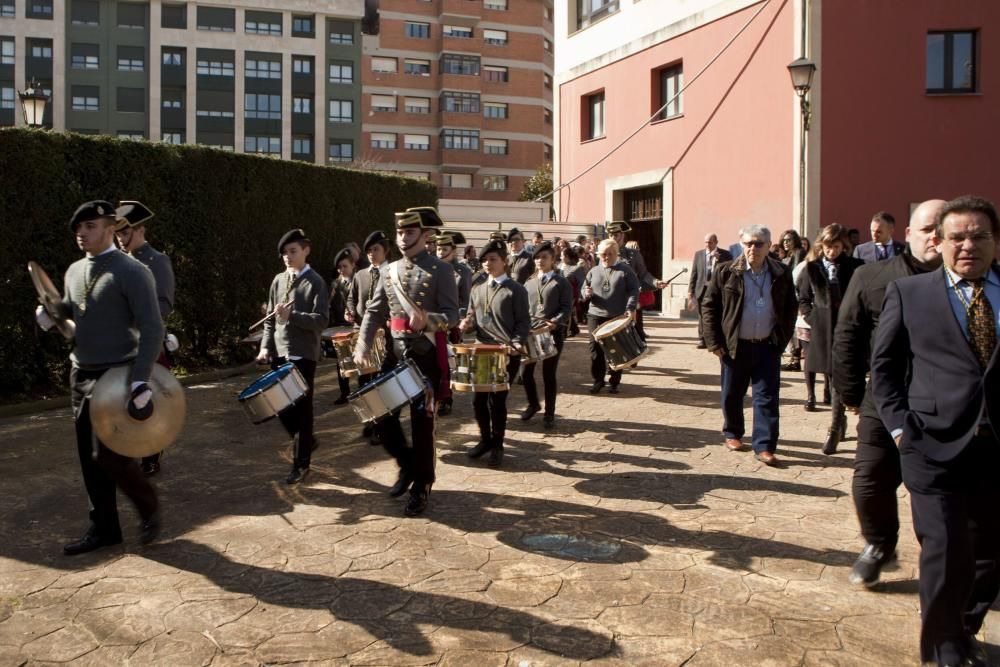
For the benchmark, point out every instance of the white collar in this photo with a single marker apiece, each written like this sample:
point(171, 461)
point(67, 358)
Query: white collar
point(110, 248)
point(499, 280)
point(292, 271)
point(548, 276)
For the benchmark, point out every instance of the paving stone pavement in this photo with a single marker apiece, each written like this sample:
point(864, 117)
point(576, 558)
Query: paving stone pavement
point(626, 535)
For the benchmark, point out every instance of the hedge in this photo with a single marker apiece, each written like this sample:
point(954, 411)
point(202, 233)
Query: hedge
point(219, 216)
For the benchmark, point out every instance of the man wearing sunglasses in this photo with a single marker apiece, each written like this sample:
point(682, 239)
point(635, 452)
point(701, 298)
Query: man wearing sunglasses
point(748, 316)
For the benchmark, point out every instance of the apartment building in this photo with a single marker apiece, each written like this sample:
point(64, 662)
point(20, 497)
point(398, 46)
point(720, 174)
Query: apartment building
point(277, 77)
point(460, 92)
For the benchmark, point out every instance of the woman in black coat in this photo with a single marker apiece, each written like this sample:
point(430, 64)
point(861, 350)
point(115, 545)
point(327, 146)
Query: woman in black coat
point(820, 287)
point(794, 253)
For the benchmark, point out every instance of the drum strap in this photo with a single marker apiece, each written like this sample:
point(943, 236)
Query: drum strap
point(404, 298)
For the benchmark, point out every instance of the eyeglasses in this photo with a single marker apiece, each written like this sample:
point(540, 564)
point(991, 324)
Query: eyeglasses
point(959, 239)
point(754, 244)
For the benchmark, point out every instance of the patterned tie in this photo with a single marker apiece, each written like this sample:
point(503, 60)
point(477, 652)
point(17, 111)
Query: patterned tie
point(982, 325)
point(883, 252)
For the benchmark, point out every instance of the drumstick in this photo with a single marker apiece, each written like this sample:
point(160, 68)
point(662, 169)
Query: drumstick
point(670, 280)
point(266, 317)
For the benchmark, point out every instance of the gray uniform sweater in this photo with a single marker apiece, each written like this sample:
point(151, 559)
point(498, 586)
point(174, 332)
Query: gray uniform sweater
point(463, 281)
point(299, 336)
point(616, 290)
point(501, 313)
point(163, 275)
point(113, 301)
point(552, 301)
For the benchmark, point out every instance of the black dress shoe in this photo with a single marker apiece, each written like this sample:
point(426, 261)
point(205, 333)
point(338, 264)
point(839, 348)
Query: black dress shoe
point(297, 475)
point(419, 500)
point(549, 421)
point(826, 397)
point(613, 389)
point(843, 430)
point(529, 412)
point(402, 484)
point(831, 442)
point(496, 456)
point(89, 542)
point(445, 408)
point(597, 386)
point(150, 529)
point(810, 405)
point(481, 448)
point(341, 400)
point(150, 469)
point(701, 346)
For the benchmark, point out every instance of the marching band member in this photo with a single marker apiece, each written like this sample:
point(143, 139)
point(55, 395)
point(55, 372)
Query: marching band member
point(112, 300)
point(130, 230)
point(550, 303)
point(417, 295)
point(498, 309)
point(520, 264)
point(612, 289)
point(339, 289)
point(647, 283)
point(300, 302)
point(446, 245)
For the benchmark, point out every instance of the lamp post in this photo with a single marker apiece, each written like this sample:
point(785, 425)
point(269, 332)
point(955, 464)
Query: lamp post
point(802, 71)
point(33, 101)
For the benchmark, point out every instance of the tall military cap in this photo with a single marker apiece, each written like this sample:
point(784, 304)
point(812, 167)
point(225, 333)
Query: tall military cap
point(91, 210)
point(498, 236)
point(344, 253)
point(616, 226)
point(378, 236)
point(493, 246)
point(544, 246)
point(514, 233)
point(131, 214)
point(424, 217)
point(450, 238)
point(291, 236)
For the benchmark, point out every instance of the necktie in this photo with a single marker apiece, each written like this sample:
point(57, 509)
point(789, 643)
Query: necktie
point(982, 325)
point(883, 252)
point(493, 284)
point(545, 279)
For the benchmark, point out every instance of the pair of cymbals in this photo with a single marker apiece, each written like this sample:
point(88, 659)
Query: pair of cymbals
point(49, 297)
point(124, 434)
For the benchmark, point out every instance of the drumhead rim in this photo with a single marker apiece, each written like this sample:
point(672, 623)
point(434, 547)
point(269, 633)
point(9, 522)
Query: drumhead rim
point(612, 326)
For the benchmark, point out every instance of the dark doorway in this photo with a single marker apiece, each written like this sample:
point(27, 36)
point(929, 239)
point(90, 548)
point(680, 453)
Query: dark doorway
point(644, 213)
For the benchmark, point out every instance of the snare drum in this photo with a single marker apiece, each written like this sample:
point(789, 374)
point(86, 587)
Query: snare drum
point(479, 367)
point(389, 392)
point(345, 344)
point(273, 393)
point(541, 345)
point(326, 340)
point(621, 343)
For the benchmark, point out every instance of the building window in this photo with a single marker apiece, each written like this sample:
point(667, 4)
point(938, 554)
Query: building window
point(7, 52)
point(383, 140)
point(457, 31)
point(131, 59)
point(303, 26)
point(217, 19)
point(173, 58)
point(496, 5)
point(341, 151)
point(593, 109)
point(262, 23)
point(456, 64)
point(302, 105)
point(460, 102)
point(460, 140)
point(81, 56)
point(495, 74)
point(416, 142)
point(302, 65)
point(547, 80)
point(669, 81)
point(417, 105)
point(546, 151)
point(456, 180)
point(341, 111)
point(39, 9)
point(418, 30)
point(6, 98)
point(495, 37)
point(173, 99)
point(216, 68)
point(951, 62)
point(132, 15)
point(262, 69)
point(547, 116)
point(341, 73)
point(546, 13)
point(173, 16)
point(495, 146)
point(588, 11)
point(546, 45)
point(383, 102)
point(83, 12)
point(265, 145)
point(417, 67)
point(260, 105)
point(131, 135)
point(214, 113)
point(43, 52)
point(494, 183)
point(384, 65)
point(341, 32)
point(85, 98)
point(175, 138)
point(302, 144)
point(7, 10)
point(494, 110)
point(418, 175)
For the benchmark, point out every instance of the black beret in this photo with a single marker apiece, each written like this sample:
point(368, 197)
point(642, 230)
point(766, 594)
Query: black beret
point(450, 238)
point(131, 214)
point(493, 246)
point(378, 236)
point(425, 217)
point(513, 233)
point(92, 210)
point(291, 236)
point(342, 255)
point(498, 236)
point(544, 246)
point(616, 226)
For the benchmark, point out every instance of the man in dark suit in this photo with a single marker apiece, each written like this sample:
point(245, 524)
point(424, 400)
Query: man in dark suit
point(876, 459)
point(937, 388)
point(882, 246)
point(702, 266)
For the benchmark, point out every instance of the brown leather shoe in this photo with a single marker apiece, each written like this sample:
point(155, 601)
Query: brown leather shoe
point(767, 458)
point(733, 444)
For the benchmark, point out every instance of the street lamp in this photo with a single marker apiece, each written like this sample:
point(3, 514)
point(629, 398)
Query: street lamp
point(802, 71)
point(33, 101)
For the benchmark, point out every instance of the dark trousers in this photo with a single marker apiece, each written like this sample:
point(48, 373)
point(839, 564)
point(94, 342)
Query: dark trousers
point(103, 469)
point(957, 525)
point(598, 364)
point(418, 460)
point(876, 478)
point(298, 419)
point(549, 367)
point(491, 408)
point(164, 361)
point(757, 365)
